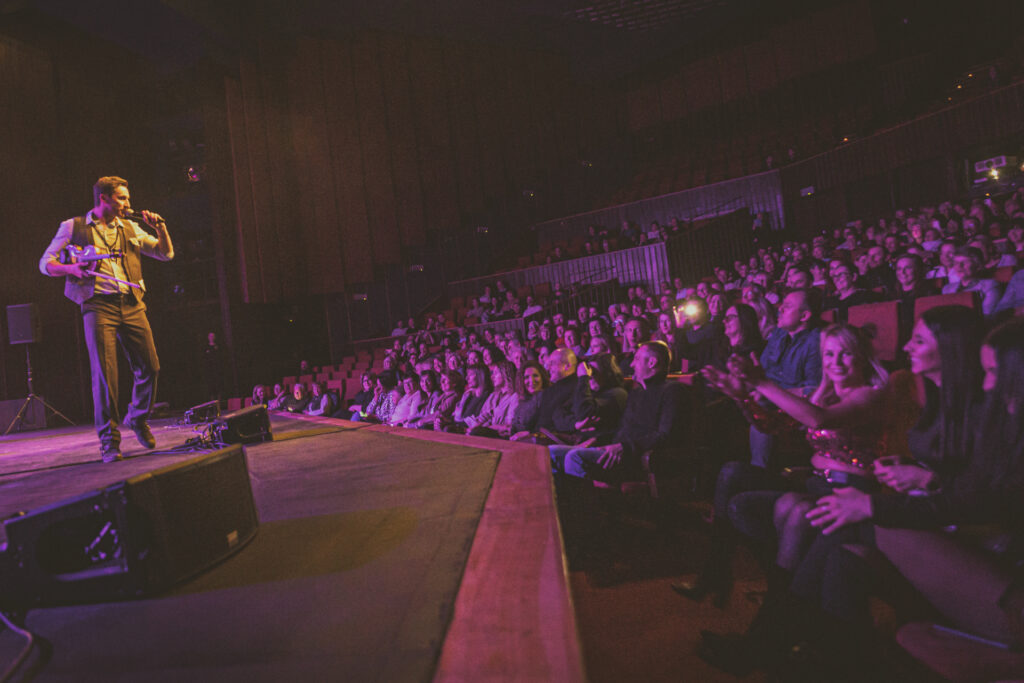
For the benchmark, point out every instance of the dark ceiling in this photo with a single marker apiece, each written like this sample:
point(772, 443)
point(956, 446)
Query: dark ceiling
point(602, 38)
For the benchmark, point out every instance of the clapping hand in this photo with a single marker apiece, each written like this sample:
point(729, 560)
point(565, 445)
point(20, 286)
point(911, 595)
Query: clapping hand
point(731, 386)
point(745, 368)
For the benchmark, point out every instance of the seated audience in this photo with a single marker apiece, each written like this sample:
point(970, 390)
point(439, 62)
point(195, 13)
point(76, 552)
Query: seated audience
point(847, 294)
point(531, 380)
point(557, 411)
point(276, 402)
point(321, 401)
point(361, 401)
point(478, 388)
point(431, 396)
point(496, 415)
point(968, 264)
point(701, 335)
point(259, 394)
point(634, 334)
point(386, 395)
point(606, 387)
point(653, 420)
point(1013, 297)
point(440, 411)
point(413, 396)
point(298, 400)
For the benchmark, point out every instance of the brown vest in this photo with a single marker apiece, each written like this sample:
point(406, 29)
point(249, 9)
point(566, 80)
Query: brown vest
point(80, 290)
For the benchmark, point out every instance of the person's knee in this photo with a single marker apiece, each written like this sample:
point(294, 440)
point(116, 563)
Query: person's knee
point(576, 462)
point(796, 522)
point(782, 506)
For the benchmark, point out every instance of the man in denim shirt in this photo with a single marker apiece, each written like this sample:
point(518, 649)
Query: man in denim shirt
point(791, 358)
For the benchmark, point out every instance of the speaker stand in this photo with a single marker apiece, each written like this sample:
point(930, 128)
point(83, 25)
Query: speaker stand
point(19, 419)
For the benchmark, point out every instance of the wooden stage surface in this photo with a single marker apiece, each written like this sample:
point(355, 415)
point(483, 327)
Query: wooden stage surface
point(512, 618)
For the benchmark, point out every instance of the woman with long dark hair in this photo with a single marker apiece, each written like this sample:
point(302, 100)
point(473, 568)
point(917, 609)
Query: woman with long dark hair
point(943, 353)
point(741, 334)
point(451, 384)
point(531, 380)
point(495, 418)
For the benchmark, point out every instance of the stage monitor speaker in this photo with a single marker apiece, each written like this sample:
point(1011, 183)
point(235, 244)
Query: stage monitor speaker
point(202, 413)
point(23, 324)
point(131, 539)
point(248, 425)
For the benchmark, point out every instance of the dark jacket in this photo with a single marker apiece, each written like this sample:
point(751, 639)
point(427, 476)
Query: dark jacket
point(560, 408)
point(654, 418)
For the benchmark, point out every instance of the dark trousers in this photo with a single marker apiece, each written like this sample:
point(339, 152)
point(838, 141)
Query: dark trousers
point(110, 320)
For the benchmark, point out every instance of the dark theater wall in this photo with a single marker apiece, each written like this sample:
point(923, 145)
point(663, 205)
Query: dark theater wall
point(811, 43)
point(348, 154)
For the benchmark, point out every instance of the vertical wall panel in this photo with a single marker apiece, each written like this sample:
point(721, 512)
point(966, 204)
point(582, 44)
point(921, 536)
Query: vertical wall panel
point(542, 123)
point(462, 113)
point(673, 98)
point(733, 73)
point(316, 209)
point(245, 235)
point(760, 58)
point(645, 106)
point(787, 52)
point(440, 204)
point(282, 233)
point(486, 92)
point(700, 80)
point(373, 132)
point(519, 149)
point(394, 54)
point(261, 231)
point(347, 162)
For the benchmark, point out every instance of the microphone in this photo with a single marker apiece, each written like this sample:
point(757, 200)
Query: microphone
point(137, 217)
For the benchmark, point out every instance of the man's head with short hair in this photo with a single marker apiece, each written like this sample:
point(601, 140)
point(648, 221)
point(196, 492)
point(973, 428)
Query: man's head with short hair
point(909, 271)
point(798, 277)
point(635, 332)
point(968, 262)
point(799, 310)
point(106, 186)
point(876, 256)
point(560, 364)
point(652, 358)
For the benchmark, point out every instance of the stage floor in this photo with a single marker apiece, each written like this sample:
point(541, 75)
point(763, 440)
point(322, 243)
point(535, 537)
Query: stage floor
point(382, 554)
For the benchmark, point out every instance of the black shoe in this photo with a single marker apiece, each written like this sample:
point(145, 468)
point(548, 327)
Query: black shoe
point(111, 453)
point(144, 435)
point(696, 590)
point(700, 588)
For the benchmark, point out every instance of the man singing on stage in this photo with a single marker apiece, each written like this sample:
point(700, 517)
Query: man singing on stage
point(109, 290)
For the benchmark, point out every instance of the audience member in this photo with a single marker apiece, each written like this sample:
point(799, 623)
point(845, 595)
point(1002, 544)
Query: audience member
point(470, 403)
point(321, 401)
point(413, 396)
point(276, 402)
point(298, 400)
point(968, 263)
point(653, 421)
point(361, 401)
point(496, 415)
point(259, 394)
